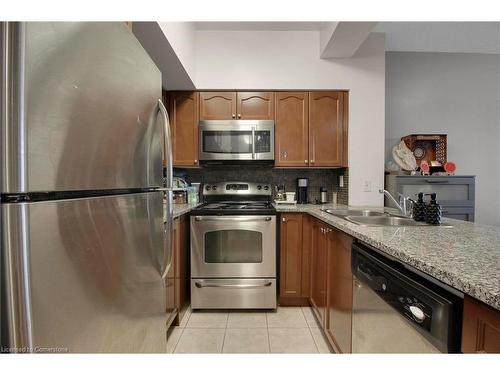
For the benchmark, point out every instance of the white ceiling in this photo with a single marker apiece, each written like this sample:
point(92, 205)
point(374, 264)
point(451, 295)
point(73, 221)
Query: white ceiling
point(467, 37)
point(260, 26)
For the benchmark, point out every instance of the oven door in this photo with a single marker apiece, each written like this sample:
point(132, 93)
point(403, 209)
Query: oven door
point(233, 246)
point(243, 140)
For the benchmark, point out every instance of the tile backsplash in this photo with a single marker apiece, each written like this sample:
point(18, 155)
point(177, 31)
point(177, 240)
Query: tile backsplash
point(328, 178)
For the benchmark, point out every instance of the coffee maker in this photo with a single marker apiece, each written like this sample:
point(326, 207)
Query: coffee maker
point(302, 183)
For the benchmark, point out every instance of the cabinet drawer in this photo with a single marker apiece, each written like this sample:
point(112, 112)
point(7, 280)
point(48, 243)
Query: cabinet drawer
point(450, 190)
point(459, 213)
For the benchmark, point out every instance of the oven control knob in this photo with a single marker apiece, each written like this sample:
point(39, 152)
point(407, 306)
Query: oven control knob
point(259, 187)
point(266, 187)
point(417, 313)
point(208, 188)
point(214, 187)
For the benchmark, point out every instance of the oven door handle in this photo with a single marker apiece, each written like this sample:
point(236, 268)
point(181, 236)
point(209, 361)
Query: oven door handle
point(199, 284)
point(233, 218)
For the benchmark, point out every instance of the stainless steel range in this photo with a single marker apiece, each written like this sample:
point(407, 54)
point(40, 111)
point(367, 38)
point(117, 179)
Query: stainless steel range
point(233, 248)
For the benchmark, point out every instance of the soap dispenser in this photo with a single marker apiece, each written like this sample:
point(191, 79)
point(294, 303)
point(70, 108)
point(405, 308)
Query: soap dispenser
point(433, 211)
point(419, 208)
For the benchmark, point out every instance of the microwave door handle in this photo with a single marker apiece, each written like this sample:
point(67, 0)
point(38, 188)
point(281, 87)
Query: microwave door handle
point(253, 142)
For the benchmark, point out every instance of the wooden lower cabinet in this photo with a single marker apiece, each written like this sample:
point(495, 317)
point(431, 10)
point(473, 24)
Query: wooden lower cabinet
point(294, 259)
point(481, 327)
point(181, 266)
point(339, 290)
point(317, 296)
point(331, 283)
point(291, 255)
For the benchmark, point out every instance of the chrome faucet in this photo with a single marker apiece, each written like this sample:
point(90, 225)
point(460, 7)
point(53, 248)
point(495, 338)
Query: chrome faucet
point(404, 205)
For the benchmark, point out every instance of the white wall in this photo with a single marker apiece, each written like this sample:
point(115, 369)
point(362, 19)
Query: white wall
point(455, 94)
point(290, 60)
point(181, 36)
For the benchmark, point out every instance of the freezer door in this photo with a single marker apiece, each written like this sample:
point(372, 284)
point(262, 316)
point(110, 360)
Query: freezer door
point(82, 110)
point(92, 278)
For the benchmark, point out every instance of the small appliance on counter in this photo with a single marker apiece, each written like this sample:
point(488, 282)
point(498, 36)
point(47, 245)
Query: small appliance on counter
point(302, 184)
point(323, 195)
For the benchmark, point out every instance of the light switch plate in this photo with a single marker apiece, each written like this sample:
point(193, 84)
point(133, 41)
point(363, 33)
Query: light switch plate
point(341, 181)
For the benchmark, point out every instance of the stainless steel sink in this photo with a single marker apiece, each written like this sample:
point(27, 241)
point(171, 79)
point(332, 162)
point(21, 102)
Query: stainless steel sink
point(382, 221)
point(344, 213)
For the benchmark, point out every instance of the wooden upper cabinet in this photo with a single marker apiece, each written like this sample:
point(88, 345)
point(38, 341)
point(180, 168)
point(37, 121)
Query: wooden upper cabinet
point(339, 290)
point(481, 327)
point(345, 132)
point(291, 129)
point(183, 113)
point(291, 255)
point(325, 128)
point(255, 105)
point(217, 105)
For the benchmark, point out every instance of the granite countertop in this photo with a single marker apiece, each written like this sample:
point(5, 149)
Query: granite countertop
point(183, 208)
point(465, 256)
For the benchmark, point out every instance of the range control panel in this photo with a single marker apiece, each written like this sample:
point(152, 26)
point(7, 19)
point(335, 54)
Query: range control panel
point(237, 188)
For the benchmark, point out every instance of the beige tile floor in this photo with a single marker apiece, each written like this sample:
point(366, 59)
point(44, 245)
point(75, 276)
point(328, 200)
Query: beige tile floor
point(286, 330)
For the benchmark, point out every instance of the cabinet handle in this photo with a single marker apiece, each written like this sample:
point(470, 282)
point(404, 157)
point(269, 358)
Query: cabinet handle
point(195, 161)
point(311, 161)
point(239, 115)
point(283, 219)
point(234, 116)
point(305, 161)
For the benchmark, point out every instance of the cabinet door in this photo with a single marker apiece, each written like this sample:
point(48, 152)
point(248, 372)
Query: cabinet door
point(318, 271)
point(481, 328)
point(217, 105)
point(291, 136)
point(176, 260)
point(307, 230)
point(339, 290)
point(345, 132)
point(325, 128)
point(291, 255)
point(255, 105)
point(183, 113)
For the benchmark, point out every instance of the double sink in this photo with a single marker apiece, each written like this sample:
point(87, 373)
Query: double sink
point(372, 218)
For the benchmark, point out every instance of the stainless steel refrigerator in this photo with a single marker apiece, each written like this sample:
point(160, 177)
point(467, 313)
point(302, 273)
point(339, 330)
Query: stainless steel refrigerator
point(85, 252)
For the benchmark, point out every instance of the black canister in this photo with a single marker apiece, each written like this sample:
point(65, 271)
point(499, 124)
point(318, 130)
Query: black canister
point(434, 212)
point(419, 208)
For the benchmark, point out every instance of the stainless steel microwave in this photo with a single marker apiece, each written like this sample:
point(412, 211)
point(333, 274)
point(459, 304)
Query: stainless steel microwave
point(236, 141)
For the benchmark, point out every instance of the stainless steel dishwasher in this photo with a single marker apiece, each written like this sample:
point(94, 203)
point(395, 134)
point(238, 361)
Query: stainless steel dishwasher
point(397, 310)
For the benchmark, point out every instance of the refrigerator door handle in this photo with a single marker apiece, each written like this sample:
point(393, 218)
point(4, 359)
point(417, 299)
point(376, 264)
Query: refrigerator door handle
point(167, 157)
point(167, 145)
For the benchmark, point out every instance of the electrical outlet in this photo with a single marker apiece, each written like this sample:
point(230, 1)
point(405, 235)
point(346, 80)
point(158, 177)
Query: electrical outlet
point(341, 181)
point(368, 186)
